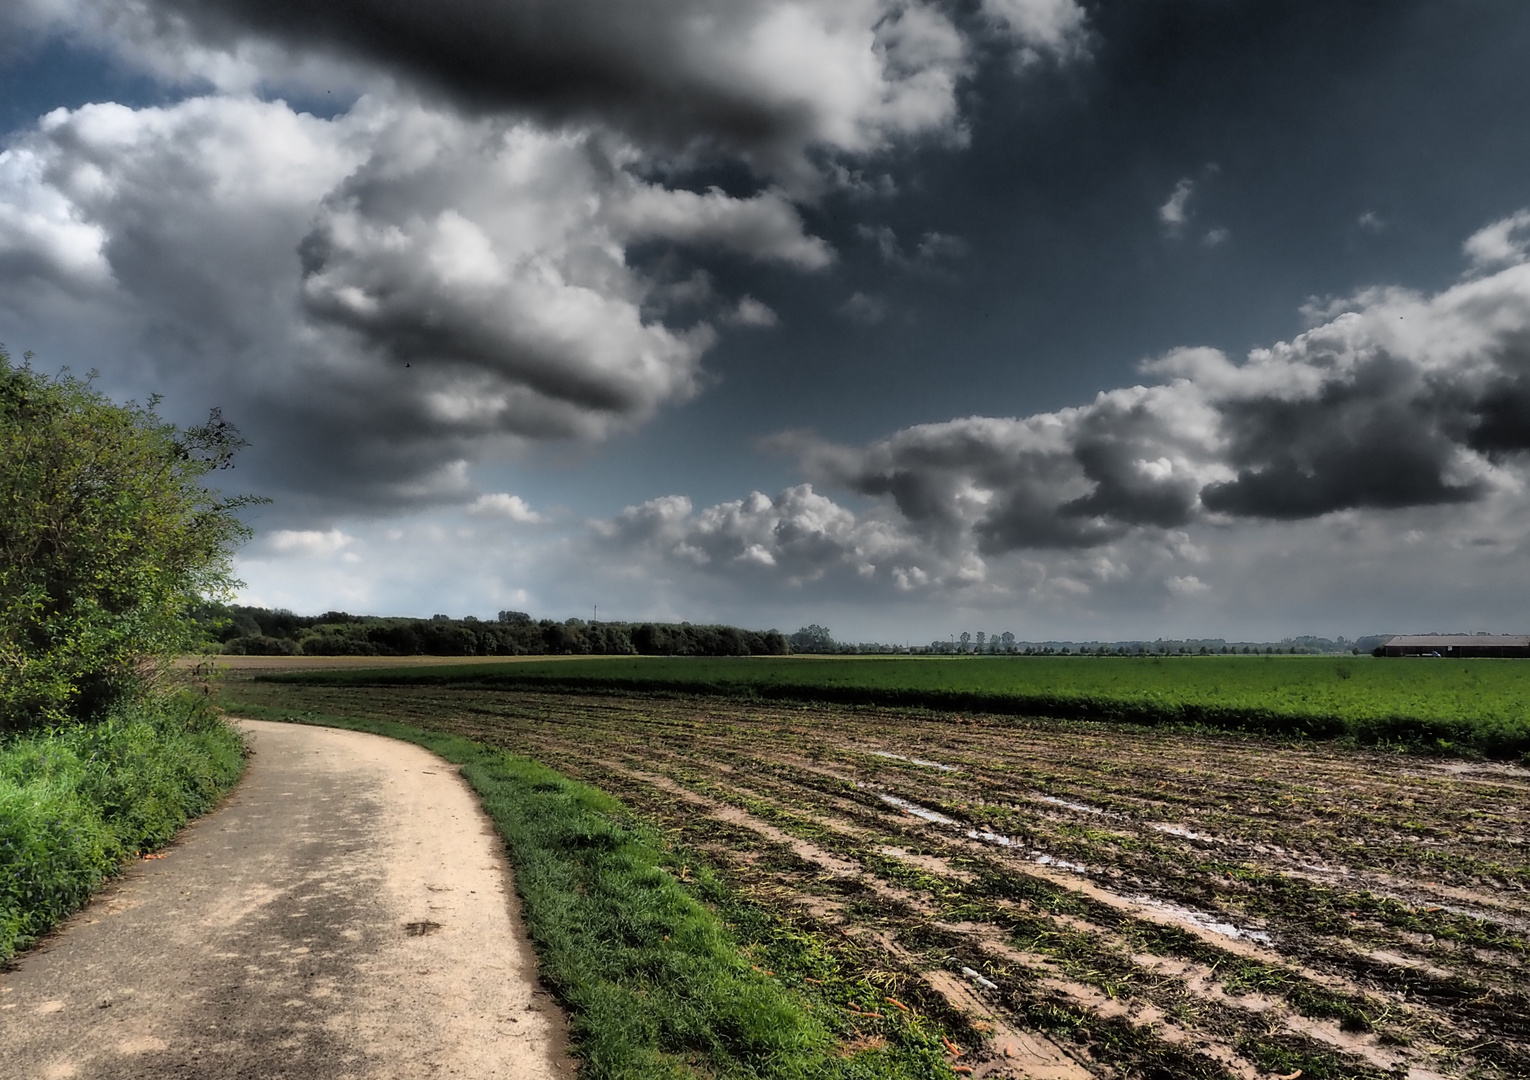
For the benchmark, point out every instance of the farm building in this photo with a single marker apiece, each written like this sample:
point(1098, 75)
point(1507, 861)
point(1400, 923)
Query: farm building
point(1459, 645)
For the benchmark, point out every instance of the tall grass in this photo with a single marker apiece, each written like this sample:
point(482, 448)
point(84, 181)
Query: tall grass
point(77, 801)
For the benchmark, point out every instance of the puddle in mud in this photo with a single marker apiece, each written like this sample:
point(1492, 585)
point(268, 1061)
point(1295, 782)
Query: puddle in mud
point(1081, 807)
point(1204, 921)
point(1180, 830)
point(1036, 857)
point(917, 810)
point(915, 761)
point(990, 838)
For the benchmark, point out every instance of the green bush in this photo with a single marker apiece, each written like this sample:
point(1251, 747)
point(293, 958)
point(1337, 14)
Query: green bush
point(77, 801)
point(107, 539)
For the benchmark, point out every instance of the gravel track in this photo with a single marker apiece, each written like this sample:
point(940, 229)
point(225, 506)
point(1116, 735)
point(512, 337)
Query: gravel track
point(347, 914)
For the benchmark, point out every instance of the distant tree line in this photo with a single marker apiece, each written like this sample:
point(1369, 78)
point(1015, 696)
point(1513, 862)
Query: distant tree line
point(817, 639)
point(256, 631)
point(267, 632)
point(1006, 644)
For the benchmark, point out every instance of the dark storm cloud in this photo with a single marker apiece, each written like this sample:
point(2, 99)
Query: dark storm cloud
point(765, 79)
point(566, 58)
point(1375, 440)
point(1500, 419)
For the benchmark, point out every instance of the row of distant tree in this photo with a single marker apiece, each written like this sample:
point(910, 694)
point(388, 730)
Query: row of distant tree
point(1006, 644)
point(817, 639)
point(241, 630)
point(264, 631)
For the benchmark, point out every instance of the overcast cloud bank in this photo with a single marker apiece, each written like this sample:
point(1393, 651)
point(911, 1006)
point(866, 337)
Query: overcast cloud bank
point(1401, 408)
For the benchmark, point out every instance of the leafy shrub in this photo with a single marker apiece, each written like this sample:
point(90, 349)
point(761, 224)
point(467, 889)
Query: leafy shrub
point(107, 539)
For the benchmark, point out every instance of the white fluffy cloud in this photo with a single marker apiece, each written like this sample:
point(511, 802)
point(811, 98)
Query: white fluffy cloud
point(399, 288)
point(799, 535)
point(308, 542)
point(1504, 242)
point(504, 505)
point(1055, 26)
point(1176, 208)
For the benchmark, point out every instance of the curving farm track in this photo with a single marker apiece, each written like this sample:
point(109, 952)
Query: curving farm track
point(346, 915)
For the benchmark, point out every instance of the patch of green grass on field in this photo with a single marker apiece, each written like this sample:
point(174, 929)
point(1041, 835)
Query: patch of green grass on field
point(1471, 707)
point(664, 971)
point(78, 801)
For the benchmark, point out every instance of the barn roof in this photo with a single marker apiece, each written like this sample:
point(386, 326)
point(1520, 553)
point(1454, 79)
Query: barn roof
point(1440, 641)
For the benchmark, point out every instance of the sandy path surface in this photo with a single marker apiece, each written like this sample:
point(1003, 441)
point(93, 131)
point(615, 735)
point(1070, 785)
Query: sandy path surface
point(348, 914)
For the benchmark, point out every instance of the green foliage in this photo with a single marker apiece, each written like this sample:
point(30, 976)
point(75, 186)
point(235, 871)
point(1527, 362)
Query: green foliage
point(77, 801)
point(1438, 706)
point(107, 537)
point(252, 631)
point(659, 985)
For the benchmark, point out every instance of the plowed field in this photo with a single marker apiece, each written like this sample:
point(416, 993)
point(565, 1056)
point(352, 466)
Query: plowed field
point(1077, 900)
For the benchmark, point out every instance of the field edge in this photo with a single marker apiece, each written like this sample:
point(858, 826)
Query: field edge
point(761, 1003)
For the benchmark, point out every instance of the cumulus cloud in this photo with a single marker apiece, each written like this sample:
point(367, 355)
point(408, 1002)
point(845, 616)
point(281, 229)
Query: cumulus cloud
point(1504, 242)
point(800, 535)
point(1186, 585)
point(493, 243)
point(864, 308)
point(931, 249)
point(751, 312)
point(504, 505)
point(937, 245)
point(398, 290)
point(1403, 404)
point(1055, 26)
point(1176, 209)
point(308, 543)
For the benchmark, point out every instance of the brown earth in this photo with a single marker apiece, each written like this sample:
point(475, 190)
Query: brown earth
point(346, 915)
point(1136, 902)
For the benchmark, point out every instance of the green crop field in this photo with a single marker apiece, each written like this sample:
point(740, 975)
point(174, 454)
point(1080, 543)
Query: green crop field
point(1451, 706)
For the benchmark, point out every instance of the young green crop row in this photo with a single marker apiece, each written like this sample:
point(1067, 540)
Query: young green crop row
point(1469, 707)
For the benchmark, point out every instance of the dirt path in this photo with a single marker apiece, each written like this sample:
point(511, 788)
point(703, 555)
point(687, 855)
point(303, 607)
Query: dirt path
point(347, 915)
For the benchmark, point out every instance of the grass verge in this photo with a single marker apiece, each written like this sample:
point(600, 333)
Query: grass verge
point(664, 970)
point(78, 801)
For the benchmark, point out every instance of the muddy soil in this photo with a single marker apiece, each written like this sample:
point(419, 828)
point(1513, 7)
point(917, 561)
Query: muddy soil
point(1136, 902)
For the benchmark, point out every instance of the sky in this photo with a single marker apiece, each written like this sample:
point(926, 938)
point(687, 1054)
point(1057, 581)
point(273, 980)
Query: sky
point(1078, 319)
